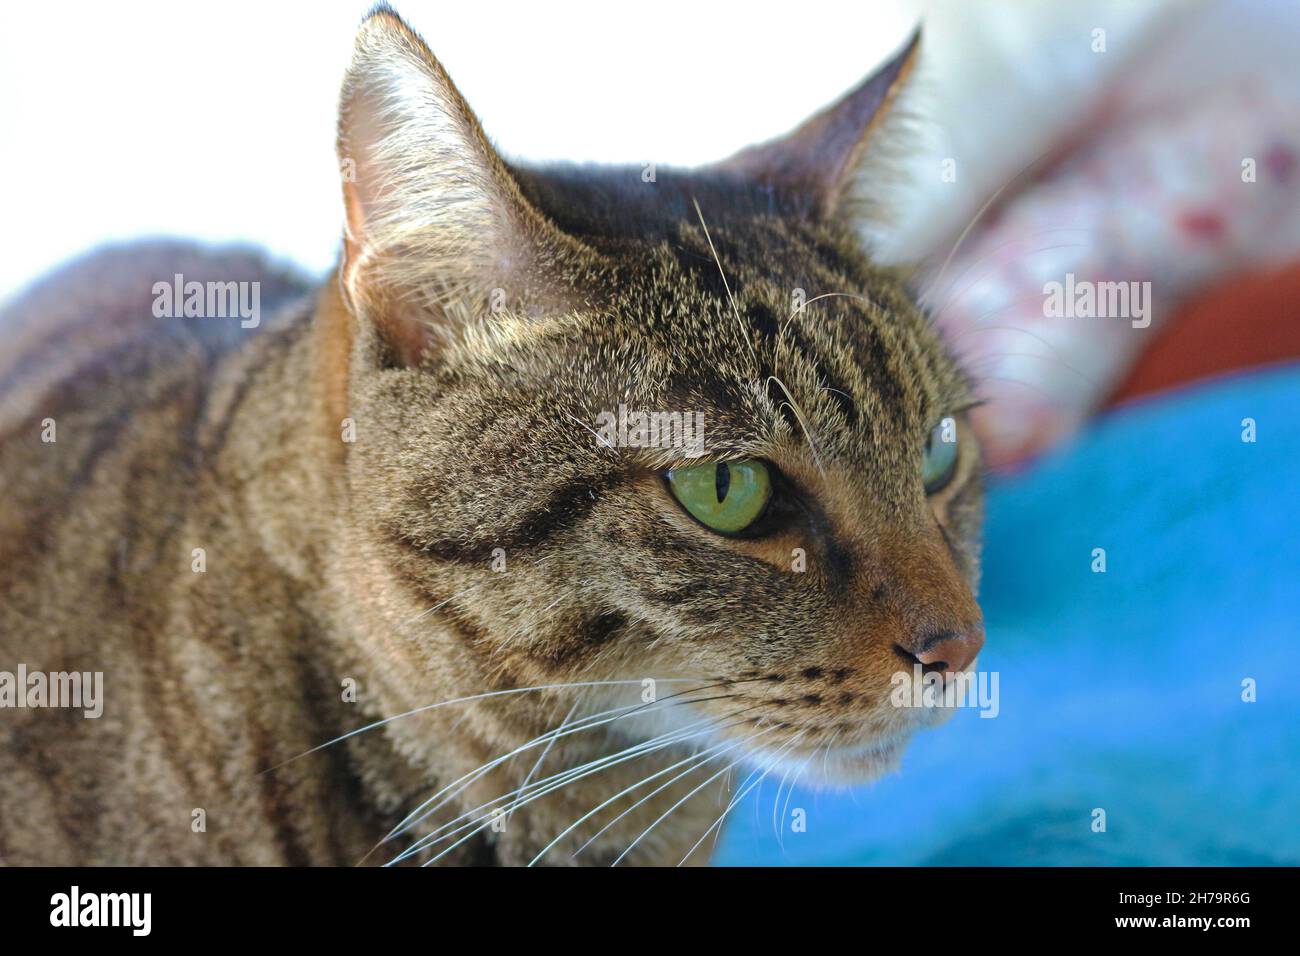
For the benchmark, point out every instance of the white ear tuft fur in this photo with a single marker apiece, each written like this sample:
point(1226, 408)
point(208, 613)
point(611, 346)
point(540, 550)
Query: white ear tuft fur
point(434, 217)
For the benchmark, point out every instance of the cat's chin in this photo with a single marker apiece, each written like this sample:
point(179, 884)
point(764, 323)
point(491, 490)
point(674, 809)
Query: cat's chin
point(852, 766)
point(849, 764)
point(840, 766)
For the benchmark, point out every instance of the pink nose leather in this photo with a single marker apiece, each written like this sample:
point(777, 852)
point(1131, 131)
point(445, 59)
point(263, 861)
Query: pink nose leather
point(955, 652)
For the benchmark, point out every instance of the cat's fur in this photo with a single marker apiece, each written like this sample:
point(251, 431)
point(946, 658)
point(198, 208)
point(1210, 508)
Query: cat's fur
point(379, 560)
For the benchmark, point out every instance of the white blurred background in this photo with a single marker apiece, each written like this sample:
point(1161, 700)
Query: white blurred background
point(216, 120)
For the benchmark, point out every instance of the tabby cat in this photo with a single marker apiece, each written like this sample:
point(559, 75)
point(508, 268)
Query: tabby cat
point(376, 580)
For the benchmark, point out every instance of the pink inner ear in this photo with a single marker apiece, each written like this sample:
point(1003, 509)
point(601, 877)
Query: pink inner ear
point(408, 334)
point(407, 337)
point(816, 162)
point(435, 218)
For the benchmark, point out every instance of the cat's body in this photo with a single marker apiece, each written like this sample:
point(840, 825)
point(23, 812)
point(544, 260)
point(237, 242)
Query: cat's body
point(170, 435)
point(99, 525)
point(397, 489)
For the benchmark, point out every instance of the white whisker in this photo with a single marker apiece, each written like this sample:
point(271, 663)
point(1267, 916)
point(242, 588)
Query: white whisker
point(817, 298)
point(745, 788)
point(546, 786)
point(826, 776)
point(667, 812)
point(541, 758)
point(599, 436)
point(658, 789)
point(799, 416)
point(463, 700)
point(697, 759)
point(585, 723)
point(744, 334)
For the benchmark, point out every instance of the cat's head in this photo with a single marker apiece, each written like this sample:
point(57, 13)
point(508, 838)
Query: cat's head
point(513, 323)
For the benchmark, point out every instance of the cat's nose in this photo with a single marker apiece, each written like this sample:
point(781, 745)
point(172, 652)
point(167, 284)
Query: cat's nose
point(947, 651)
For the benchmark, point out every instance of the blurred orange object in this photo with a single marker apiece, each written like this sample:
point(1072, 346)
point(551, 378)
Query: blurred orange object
point(1248, 321)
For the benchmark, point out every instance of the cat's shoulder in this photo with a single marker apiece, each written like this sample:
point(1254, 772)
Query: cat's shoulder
point(115, 293)
point(109, 306)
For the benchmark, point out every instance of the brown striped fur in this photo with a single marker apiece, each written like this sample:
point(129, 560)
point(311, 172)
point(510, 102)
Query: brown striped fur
point(371, 560)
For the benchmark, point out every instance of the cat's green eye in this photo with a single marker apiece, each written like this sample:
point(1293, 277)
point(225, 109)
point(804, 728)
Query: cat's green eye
point(939, 462)
point(727, 496)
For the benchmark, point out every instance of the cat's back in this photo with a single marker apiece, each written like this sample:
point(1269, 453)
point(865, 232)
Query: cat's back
point(105, 406)
point(99, 313)
point(100, 374)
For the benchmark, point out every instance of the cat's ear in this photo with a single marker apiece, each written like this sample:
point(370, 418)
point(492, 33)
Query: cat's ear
point(823, 165)
point(435, 221)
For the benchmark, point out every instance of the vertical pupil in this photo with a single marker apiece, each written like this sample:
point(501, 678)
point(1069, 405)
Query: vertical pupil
point(722, 480)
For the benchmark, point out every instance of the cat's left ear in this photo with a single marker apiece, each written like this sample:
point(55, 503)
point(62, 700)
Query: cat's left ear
point(820, 166)
point(437, 226)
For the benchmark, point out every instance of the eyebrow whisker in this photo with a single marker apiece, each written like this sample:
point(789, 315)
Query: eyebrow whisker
point(725, 284)
point(799, 416)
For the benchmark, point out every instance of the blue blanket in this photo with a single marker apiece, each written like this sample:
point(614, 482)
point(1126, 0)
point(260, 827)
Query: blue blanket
point(1119, 691)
